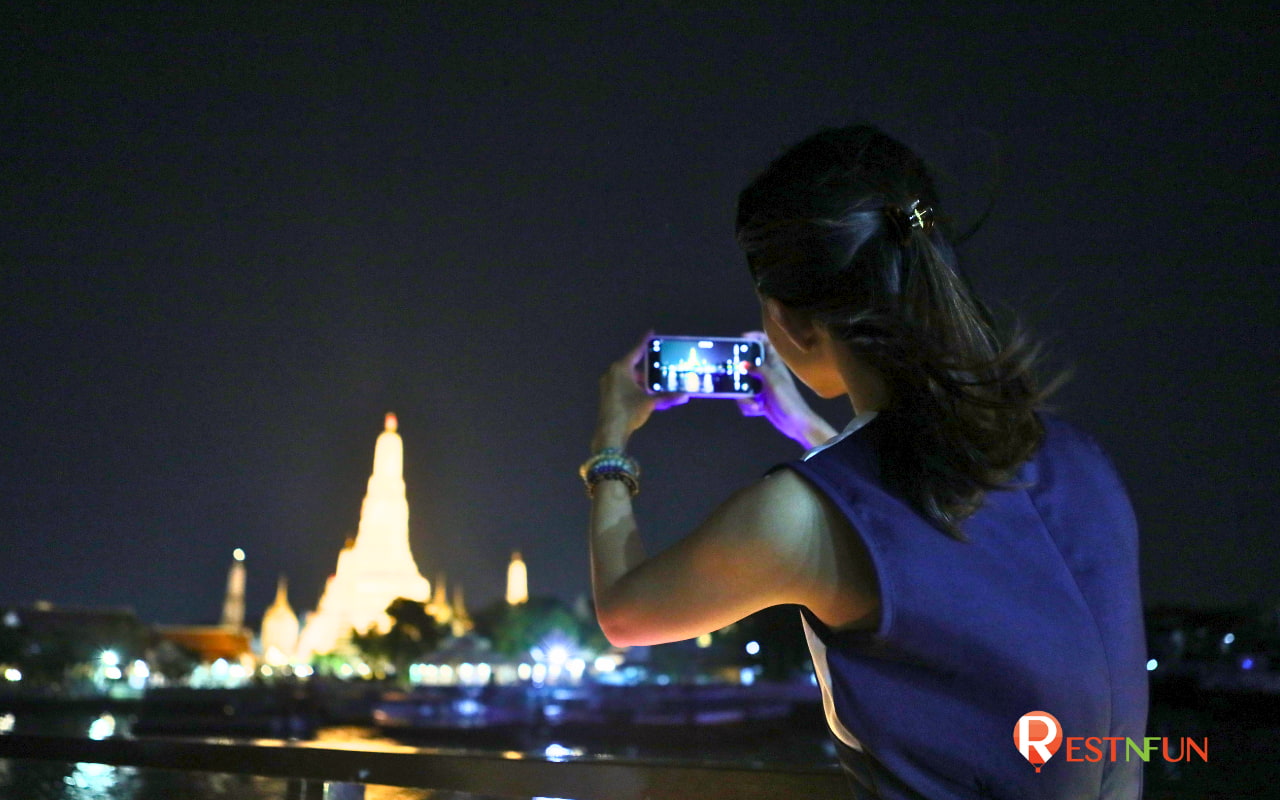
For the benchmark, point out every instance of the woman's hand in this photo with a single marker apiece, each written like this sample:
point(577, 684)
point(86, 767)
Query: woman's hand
point(624, 405)
point(780, 401)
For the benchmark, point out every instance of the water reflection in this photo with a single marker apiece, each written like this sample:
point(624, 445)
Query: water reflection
point(96, 781)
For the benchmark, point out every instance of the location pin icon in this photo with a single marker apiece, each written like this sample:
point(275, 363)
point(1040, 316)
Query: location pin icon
point(1038, 735)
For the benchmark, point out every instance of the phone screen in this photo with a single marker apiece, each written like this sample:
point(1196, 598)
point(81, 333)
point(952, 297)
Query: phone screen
point(703, 366)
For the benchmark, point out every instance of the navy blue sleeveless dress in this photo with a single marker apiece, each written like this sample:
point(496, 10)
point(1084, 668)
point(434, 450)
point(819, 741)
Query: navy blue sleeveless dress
point(1039, 611)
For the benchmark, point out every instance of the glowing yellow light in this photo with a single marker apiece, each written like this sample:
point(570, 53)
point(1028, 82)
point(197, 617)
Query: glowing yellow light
point(524, 672)
point(237, 554)
point(279, 633)
point(704, 640)
point(517, 581)
point(13, 674)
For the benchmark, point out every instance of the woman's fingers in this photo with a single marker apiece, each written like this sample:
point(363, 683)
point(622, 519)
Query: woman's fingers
point(632, 358)
point(750, 407)
point(665, 401)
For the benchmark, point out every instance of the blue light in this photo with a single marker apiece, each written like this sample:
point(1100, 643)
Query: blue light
point(558, 752)
point(1152, 664)
point(1246, 664)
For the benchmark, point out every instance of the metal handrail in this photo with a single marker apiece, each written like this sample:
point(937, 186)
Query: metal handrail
point(517, 774)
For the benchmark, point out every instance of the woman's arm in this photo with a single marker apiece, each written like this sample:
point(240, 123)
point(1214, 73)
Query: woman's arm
point(776, 541)
point(768, 544)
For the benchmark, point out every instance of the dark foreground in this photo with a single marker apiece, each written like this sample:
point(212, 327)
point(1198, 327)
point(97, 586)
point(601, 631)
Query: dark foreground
point(1243, 734)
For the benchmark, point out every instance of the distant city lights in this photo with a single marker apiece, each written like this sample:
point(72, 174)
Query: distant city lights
point(104, 727)
point(557, 752)
point(605, 664)
point(557, 654)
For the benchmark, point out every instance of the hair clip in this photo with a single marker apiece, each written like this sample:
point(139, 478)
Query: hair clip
point(914, 216)
point(921, 216)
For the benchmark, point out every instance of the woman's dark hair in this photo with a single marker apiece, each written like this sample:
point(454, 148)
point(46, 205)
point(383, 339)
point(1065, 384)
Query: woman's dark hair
point(824, 233)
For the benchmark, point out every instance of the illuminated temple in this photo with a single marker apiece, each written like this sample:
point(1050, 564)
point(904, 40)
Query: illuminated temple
point(374, 568)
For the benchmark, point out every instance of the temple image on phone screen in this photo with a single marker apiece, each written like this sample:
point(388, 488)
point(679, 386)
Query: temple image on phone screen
point(701, 366)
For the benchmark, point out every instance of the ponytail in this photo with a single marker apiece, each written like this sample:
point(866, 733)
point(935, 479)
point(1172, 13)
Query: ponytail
point(842, 227)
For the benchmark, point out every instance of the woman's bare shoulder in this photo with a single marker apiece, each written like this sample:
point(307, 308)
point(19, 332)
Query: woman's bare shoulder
point(837, 580)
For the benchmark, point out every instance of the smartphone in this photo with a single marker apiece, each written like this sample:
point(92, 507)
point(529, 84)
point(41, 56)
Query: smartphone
point(703, 366)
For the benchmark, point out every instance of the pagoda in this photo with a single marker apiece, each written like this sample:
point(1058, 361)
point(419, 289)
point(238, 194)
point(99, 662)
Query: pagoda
point(279, 628)
point(376, 566)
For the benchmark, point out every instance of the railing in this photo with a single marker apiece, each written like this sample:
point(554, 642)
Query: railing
point(318, 770)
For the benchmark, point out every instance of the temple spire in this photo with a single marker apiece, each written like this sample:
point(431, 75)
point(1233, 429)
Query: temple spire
point(282, 592)
point(517, 580)
point(279, 633)
point(233, 603)
point(379, 566)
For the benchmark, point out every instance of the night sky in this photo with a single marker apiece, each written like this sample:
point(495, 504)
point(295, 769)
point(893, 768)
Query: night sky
point(232, 241)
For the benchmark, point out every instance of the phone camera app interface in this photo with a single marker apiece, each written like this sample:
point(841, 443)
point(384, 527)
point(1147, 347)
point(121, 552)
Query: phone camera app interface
point(703, 366)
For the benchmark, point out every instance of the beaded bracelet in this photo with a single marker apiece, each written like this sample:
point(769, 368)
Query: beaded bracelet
point(610, 464)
